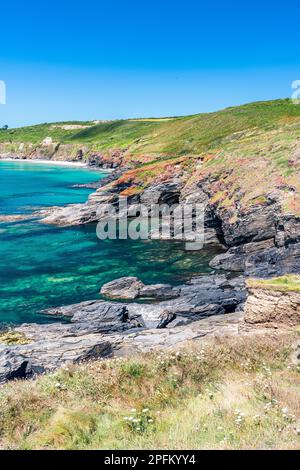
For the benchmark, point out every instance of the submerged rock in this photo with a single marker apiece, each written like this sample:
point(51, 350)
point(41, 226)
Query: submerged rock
point(15, 218)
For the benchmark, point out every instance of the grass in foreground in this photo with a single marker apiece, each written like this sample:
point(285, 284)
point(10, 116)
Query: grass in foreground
point(288, 283)
point(240, 393)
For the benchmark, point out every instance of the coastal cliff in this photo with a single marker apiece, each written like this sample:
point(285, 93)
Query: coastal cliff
point(242, 163)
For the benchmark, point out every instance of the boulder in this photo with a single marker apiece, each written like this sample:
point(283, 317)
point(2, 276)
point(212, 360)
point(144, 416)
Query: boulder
point(159, 292)
point(128, 288)
point(96, 316)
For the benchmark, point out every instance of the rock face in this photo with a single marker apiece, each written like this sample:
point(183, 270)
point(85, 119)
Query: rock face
point(100, 328)
point(265, 307)
point(166, 194)
point(261, 259)
point(260, 241)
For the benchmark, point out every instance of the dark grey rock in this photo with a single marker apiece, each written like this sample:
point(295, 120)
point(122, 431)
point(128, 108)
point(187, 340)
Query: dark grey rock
point(262, 259)
point(48, 353)
point(166, 318)
point(130, 288)
point(96, 316)
point(159, 291)
point(101, 328)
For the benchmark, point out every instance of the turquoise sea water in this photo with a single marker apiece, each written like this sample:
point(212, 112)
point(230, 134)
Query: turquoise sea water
point(43, 266)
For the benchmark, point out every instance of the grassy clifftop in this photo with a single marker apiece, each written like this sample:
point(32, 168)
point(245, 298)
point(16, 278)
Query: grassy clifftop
point(288, 283)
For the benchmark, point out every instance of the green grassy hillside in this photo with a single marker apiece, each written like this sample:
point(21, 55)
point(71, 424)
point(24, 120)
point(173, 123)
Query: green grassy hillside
point(258, 139)
point(176, 136)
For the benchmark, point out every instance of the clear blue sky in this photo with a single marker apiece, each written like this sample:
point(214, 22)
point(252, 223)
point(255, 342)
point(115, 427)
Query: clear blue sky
point(64, 60)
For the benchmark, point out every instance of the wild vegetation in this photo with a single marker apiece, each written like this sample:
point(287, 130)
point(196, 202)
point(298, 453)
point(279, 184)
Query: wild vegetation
point(287, 283)
point(232, 393)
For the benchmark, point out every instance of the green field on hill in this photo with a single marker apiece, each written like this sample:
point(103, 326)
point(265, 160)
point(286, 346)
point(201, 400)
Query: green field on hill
point(177, 136)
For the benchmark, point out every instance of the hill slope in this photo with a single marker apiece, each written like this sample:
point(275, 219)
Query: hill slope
point(176, 136)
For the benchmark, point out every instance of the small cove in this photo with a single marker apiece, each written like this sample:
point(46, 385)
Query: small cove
point(43, 266)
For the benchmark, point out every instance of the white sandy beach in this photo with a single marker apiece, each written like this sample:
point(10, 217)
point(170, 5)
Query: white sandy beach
point(48, 162)
point(58, 163)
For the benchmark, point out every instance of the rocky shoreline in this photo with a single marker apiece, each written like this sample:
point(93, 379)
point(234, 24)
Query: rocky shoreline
point(206, 307)
point(103, 328)
point(261, 242)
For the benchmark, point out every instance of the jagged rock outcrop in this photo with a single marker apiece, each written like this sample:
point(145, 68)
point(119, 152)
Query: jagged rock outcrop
point(48, 353)
point(100, 328)
point(75, 214)
point(123, 288)
point(261, 259)
point(97, 316)
point(52, 346)
point(201, 297)
point(261, 240)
